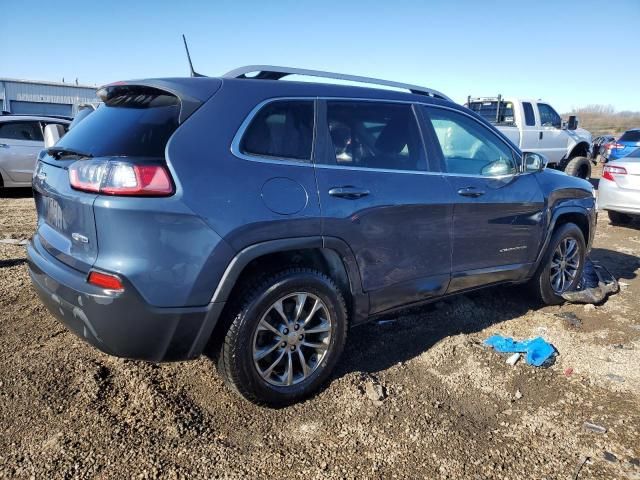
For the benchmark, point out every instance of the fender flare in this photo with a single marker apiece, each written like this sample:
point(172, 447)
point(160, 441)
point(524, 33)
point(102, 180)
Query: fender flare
point(557, 213)
point(247, 254)
point(580, 144)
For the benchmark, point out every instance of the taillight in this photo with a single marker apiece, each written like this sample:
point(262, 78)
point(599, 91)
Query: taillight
point(609, 171)
point(120, 178)
point(616, 146)
point(105, 280)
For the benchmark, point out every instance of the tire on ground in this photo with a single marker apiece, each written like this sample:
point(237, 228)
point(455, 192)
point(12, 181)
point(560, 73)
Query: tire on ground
point(618, 218)
point(579, 167)
point(235, 361)
point(540, 284)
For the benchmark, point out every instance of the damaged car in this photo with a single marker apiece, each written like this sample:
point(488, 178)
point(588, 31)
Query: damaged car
point(257, 220)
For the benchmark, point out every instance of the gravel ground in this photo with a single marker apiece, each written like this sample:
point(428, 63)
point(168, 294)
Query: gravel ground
point(451, 408)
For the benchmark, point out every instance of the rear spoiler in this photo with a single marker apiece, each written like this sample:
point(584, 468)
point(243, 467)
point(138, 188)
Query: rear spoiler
point(191, 92)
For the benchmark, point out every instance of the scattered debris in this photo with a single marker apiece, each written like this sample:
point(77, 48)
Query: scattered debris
point(518, 395)
point(537, 351)
point(374, 391)
point(513, 359)
point(581, 463)
point(14, 241)
point(594, 287)
point(610, 457)
point(568, 372)
point(592, 427)
point(570, 319)
point(615, 378)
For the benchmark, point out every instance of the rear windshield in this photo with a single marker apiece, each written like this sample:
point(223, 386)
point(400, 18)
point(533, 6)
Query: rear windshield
point(134, 123)
point(630, 136)
point(489, 111)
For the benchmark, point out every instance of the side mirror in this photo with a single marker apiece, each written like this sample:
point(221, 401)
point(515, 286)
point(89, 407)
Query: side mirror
point(572, 123)
point(534, 162)
point(52, 133)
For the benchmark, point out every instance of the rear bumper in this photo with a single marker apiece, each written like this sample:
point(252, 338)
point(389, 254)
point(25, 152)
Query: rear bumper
point(612, 197)
point(120, 324)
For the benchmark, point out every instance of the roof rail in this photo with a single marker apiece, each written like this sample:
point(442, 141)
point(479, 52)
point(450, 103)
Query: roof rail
point(270, 72)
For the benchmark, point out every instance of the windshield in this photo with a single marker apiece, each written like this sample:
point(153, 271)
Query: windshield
point(630, 136)
point(136, 124)
point(489, 111)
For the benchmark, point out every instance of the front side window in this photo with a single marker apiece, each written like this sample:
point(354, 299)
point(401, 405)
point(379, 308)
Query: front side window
point(468, 148)
point(529, 117)
point(21, 131)
point(548, 116)
point(281, 129)
point(375, 135)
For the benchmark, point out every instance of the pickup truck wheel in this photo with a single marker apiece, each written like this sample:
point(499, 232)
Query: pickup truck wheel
point(562, 265)
point(579, 167)
point(618, 218)
point(285, 338)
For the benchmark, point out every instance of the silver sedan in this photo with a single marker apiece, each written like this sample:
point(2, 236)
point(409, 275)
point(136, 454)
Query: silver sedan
point(619, 188)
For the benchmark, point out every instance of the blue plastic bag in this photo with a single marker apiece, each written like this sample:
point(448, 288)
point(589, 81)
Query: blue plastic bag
point(536, 350)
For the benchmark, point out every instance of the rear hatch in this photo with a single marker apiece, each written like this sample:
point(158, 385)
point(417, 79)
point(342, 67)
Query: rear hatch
point(131, 129)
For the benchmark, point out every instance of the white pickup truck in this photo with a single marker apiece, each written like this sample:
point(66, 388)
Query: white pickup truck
point(535, 126)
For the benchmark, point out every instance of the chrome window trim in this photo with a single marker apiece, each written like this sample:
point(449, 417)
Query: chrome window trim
point(235, 144)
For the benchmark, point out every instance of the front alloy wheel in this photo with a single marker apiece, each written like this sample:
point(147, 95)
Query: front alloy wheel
point(564, 265)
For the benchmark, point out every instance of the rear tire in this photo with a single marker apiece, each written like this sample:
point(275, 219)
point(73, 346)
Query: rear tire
point(303, 358)
point(543, 284)
point(619, 218)
point(579, 167)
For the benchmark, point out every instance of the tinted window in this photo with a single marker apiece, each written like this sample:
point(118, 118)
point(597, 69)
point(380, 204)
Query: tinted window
point(21, 131)
point(375, 135)
point(548, 116)
point(282, 129)
point(133, 123)
point(489, 111)
point(529, 117)
point(630, 136)
point(468, 147)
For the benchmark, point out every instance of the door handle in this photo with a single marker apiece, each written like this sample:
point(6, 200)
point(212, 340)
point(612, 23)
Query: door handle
point(540, 135)
point(348, 192)
point(472, 192)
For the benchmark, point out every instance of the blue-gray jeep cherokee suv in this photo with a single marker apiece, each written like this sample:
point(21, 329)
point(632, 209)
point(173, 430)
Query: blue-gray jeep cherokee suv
point(258, 219)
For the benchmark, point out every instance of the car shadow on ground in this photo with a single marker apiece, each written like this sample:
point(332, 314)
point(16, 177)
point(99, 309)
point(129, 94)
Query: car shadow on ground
point(380, 344)
point(25, 192)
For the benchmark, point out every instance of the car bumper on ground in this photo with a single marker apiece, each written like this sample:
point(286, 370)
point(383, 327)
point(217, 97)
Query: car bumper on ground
point(612, 197)
point(120, 324)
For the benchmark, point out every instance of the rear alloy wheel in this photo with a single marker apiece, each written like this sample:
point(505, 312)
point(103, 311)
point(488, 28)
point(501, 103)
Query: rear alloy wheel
point(285, 338)
point(618, 218)
point(561, 267)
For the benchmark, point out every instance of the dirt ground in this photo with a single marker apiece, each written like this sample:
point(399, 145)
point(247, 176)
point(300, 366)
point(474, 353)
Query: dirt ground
point(453, 408)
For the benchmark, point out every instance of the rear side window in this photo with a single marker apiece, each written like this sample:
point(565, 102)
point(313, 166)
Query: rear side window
point(21, 131)
point(630, 136)
point(529, 117)
point(375, 135)
point(493, 111)
point(133, 122)
point(548, 116)
point(281, 129)
point(468, 148)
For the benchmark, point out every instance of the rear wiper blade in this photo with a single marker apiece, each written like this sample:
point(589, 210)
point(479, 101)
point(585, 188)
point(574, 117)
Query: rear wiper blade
point(59, 152)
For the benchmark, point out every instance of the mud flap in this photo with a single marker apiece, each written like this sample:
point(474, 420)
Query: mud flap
point(596, 284)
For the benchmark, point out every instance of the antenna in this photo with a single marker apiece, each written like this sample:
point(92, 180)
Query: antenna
point(186, 47)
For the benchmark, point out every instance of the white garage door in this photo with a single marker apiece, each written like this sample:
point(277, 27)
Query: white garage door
point(40, 108)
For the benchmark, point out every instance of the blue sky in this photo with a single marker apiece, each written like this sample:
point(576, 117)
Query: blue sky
point(571, 53)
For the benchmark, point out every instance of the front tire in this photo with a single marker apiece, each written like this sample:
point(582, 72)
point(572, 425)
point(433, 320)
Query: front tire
point(562, 265)
point(285, 339)
point(618, 218)
point(579, 167)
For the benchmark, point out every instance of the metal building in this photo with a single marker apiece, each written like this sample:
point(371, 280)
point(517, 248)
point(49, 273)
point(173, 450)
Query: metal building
point(44, 98)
